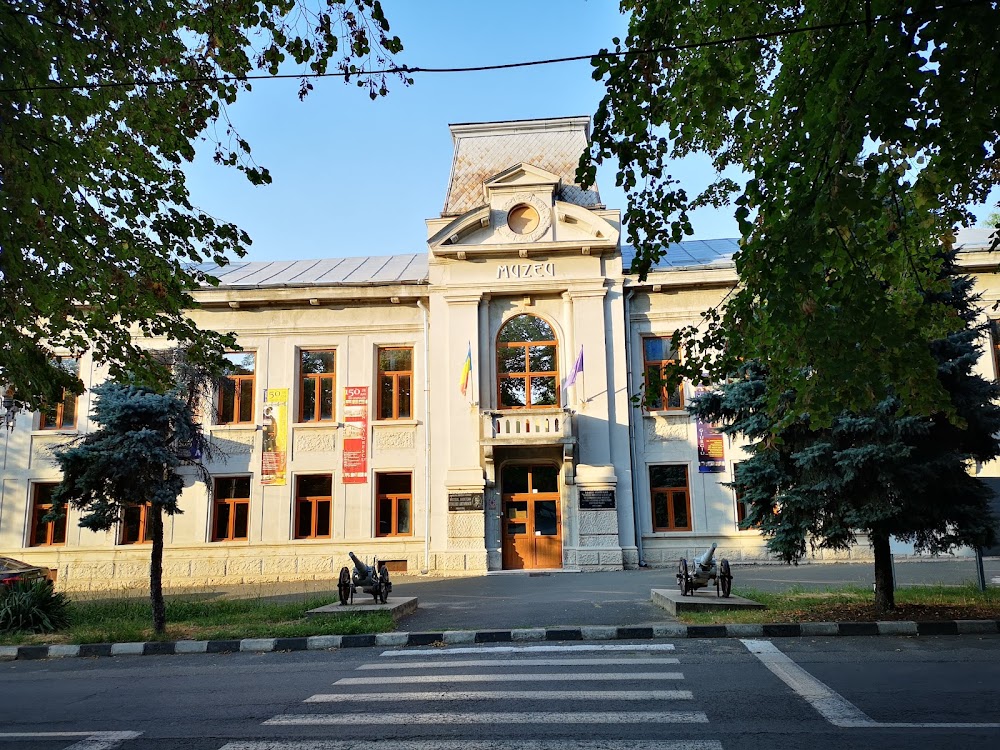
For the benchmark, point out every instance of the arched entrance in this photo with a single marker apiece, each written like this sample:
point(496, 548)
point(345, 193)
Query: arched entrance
point(531, 521)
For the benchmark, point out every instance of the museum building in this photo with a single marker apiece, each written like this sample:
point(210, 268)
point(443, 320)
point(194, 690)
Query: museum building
point(456, 411)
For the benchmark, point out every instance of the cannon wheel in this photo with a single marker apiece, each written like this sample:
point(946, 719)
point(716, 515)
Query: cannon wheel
point(383, 585)
point(682, 577)
point(725, 578)
point(344, 585)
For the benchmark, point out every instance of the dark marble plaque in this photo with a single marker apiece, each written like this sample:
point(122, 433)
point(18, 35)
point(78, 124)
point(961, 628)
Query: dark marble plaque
point(597, 499)
point(465, 501)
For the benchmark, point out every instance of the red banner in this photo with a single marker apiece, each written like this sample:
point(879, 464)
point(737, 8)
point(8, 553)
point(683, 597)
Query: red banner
point(355, 435)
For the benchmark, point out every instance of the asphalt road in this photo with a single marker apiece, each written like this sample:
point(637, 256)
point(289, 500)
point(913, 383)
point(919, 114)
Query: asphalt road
point(699, 695)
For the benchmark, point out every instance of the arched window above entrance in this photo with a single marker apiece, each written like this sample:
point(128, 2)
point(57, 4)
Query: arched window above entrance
point(527, 364)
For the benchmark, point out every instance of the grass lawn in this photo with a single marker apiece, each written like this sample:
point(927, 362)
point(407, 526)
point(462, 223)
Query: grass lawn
point(856, 604)
point(125, 620)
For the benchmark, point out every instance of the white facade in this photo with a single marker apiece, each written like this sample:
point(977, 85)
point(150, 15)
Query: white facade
point(452, 482)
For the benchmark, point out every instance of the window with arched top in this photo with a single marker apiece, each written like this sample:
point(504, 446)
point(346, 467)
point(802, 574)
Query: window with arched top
point(527, 364)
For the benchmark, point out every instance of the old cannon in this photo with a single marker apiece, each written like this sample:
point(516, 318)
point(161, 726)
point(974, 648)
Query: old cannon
point(373, 579)
point(703, 572)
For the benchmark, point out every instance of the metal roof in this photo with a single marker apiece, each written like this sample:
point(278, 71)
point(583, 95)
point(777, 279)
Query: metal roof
point(361, 271)
point(690, 254)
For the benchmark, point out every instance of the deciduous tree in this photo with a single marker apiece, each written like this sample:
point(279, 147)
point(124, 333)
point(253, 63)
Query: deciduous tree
point(857, 133)
point(101, 105)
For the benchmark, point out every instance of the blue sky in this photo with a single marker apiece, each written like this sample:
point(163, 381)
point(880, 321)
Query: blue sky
point(357, 177)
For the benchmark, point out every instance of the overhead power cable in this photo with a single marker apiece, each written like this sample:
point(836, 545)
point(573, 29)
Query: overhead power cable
point(407, 70)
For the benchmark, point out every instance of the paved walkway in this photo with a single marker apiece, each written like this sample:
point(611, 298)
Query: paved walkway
point(618, 598)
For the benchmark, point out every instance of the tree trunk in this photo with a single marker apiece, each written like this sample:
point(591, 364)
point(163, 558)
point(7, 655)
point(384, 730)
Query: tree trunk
point(156, 571)
point(885, 597)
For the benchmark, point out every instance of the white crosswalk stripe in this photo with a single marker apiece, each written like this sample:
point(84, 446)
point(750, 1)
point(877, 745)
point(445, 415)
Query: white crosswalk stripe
point(569, 648)
point(437, 676)
point(479, 744)
point(514, 718)
point(412, 679)
point(498, 695)
point(456, 663)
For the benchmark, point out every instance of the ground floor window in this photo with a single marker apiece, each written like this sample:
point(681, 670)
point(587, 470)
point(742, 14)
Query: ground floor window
point(668, 488)
point(313, 506)
point(393, 504)
point(231, 509)
point(742, 506)
point(45, 533)
point(137, 524)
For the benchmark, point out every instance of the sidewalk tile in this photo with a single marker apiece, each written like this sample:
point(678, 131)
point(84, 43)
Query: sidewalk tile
point(392, 639)
point(524, 634)
point(257, 644)
point(319, 642)
point(459, 636)
point(190, 647)
point(127, 649)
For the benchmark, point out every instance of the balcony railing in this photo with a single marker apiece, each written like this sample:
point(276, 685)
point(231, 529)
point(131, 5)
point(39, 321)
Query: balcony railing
point(527, 425)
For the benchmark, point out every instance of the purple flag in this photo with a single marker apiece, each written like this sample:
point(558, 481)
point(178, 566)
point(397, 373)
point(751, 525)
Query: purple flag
point(577, 369)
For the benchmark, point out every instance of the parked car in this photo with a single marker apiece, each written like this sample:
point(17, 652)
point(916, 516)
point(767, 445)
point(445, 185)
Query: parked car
point(12, 571)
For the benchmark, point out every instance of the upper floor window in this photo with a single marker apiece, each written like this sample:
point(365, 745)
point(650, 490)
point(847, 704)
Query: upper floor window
point(236, 390)
point(62, 415)
point(527, 364)
point(395, 382)
point(995, 346)
point(45, 533)
point(658, 353)
point(317, 385)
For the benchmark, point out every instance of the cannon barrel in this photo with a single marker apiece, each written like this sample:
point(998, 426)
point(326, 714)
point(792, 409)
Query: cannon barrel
point(359, 566)
point(705, 560)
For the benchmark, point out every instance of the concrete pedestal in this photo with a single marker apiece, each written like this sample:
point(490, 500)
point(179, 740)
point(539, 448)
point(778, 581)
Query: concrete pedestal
point(675, 603)
point(397, 607)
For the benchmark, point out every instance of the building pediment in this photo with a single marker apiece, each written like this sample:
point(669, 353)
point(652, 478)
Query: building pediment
point(523, 224)
point(521, 177)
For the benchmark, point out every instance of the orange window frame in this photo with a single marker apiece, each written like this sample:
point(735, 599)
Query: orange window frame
point(232, 503)
point(144, 515)
point(528, 375)
point(53, 529)
point(660, 366)
point(237, 381)
point(669, 493)
point(66, 410)
point(314, 382)
point(393, 498)
point(312, 502)
point(395, 375)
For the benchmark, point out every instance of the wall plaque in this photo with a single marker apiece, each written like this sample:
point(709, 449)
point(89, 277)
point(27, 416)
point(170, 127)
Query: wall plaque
point(465, 501)
point(597, 499)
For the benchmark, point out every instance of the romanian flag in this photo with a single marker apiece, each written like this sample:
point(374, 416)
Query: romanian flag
point(463, 382)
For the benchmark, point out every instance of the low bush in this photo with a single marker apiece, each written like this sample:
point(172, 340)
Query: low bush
point(32, 607)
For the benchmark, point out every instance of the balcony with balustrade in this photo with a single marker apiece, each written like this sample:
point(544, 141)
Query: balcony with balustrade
point(516, 427)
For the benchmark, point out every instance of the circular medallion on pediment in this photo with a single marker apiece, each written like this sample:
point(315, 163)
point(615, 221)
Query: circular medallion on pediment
point(524, 218)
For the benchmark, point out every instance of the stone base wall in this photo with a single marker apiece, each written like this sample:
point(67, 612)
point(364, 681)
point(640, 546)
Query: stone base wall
point(663, 553)
point(122, 570)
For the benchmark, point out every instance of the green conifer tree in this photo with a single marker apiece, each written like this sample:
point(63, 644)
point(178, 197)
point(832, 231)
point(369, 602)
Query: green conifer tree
point(884, 472)
point(147, 445)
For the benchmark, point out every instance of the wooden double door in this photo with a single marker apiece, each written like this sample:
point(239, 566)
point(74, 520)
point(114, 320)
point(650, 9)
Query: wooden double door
point(531, 521)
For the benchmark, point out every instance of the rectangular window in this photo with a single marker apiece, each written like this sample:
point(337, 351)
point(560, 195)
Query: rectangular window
point(313, 506)
point(136, 525)
point(393, 504)
point(742, 506)
point(62, 415)
point(657, 354)
point(236, 390)
point(45, 534)
point(995, 346)
point(317, 386)
point(668, 487)
point(395, 380)
point(231, 509)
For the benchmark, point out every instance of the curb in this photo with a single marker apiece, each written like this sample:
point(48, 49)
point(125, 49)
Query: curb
point(453, 637)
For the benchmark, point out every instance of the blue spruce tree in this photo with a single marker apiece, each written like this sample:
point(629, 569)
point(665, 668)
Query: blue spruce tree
point(882, 473)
